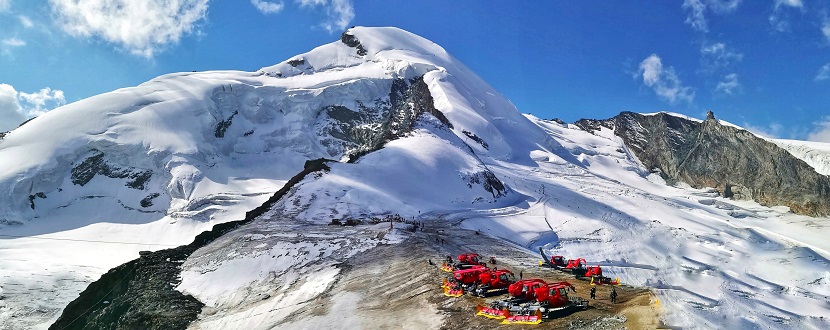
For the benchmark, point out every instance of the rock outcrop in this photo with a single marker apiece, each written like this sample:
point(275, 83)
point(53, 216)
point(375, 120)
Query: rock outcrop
point(708, 154)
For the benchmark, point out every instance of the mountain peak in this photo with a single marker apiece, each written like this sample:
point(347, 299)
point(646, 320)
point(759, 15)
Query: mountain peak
point(710, 115)
point(394, 49)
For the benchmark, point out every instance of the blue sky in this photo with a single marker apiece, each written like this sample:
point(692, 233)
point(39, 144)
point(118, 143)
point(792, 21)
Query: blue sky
point(761, 64)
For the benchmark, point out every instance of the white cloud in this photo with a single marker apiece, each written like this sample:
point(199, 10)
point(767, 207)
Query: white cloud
point(825, 29)
point(717, 55)
point(823, 72)
point(16, 107)
point(697, 11)
point(307, 3)
point(42, 101)
point(664, 81)
point(339, 13)
point(821, 132)
point(142, 27)
point(729, 85)
point(779, 19)
point(25, 21)
point(723, 6)
point(13, 42)
point(5, 5)
point(790, 3)
point(266, 7)
point(10, 110)
point(696, 18)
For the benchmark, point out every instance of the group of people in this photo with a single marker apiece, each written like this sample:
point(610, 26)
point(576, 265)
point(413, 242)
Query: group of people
point(613, 294)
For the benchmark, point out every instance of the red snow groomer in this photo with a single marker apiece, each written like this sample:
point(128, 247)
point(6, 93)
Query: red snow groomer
point(478, 280)
point(595, 273)
point(520, 292)
point(552, 301)
point(574, 266)
point(465, 260)
point(461, 279)
point(556, 262)
point(578, 267)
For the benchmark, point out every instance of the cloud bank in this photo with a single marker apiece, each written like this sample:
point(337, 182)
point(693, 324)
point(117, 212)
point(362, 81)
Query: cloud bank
point(142, 27)
point(729, 85)
point(16, 107)
point(823, 72)
point(339, 13)
point(821, 133)
point(664, 81)
point(267, 7)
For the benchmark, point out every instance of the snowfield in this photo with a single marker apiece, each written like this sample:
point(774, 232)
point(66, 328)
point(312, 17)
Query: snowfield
point(816, 154)
point(150, 167)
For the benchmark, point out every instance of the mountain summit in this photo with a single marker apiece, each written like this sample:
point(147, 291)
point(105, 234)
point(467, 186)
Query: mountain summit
point(173, 145)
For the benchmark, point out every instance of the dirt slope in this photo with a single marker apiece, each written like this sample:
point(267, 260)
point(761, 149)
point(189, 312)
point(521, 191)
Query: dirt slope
point(394, 286)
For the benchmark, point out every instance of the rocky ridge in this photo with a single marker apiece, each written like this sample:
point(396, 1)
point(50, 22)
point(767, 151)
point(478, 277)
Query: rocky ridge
point(733, 161)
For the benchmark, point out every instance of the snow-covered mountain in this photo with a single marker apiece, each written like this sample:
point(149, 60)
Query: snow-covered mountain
point(411, 132)
point(151, 166)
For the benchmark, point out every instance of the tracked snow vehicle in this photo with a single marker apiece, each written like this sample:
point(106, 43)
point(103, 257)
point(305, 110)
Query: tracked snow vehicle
point(455, 285)
point(465, 260)
point(552, 301)
point(556, 262)
point(595, 273)
point(478, 280)
point(520, 292)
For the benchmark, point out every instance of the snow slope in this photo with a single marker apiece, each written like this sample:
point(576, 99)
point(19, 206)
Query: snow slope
point(816, 154)
point(713, 262)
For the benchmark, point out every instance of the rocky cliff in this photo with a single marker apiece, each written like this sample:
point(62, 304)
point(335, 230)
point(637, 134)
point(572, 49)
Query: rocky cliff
point(709, 154)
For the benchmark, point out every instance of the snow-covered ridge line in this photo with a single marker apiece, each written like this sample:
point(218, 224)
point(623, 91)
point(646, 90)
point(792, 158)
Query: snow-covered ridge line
point(815, 154)
point(679, 115)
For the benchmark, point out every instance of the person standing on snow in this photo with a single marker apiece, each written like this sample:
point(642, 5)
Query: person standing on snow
point(613, 295)
point(593, 292)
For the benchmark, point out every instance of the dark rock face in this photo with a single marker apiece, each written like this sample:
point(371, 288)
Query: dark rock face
point(476, 139)
point(351, 41)
point(135, 295)
point(33, 197)
point(369, 129)
point(296, 62)
point(141, 293)
point(148, 201)
point(707, 154)
point(223, 125)
point(409, 100)
point(488, 180)
point(98, 164)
